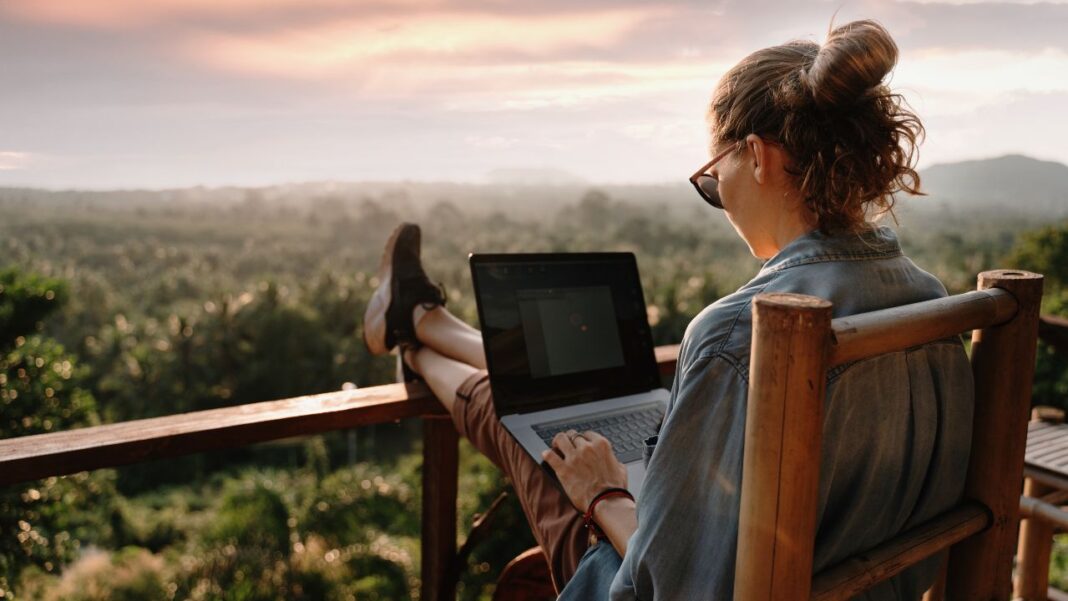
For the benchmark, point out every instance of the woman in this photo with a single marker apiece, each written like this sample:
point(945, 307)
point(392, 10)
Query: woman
point(807, 144)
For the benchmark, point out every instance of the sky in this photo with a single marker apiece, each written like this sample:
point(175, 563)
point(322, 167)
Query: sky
point(102, 94)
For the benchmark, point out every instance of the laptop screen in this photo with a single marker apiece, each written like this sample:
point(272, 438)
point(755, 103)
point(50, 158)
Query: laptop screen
point(560, 329)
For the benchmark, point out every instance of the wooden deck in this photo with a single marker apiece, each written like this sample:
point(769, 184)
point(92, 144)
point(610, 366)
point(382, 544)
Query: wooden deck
point(1047, 448)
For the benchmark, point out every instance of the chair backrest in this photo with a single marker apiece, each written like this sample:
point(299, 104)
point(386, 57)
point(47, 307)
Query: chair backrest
point(795, 342)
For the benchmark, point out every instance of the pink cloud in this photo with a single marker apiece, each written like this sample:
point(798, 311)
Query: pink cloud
point(13, 161)
point(378, 44)
point(121, 14)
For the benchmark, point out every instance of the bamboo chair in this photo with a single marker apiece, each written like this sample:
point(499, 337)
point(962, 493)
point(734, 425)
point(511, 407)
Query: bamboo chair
point(795, 342)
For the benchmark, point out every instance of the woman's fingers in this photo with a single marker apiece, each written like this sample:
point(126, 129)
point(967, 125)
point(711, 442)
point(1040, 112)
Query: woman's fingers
point(569, 442)
point(571, 447)
point(564, 441)
point(585, 465)
point(552, 458)
point(596, 439)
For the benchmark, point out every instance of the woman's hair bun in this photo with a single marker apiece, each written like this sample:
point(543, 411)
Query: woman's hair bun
point(854, 60)
point(850, 141)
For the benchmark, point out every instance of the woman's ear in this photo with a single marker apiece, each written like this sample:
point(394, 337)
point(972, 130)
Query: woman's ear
point(758, 150)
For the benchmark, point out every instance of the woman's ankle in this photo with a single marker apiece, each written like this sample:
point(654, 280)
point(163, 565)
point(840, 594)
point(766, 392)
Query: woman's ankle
point(419, 314)
point(408, 356)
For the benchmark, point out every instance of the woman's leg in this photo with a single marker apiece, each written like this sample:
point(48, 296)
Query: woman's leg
point(444, 375)
point(406, 310)
point(465, 391)
point(450, 336)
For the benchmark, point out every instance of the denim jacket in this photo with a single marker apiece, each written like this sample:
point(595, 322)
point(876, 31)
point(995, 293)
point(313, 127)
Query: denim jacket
point(897, 434)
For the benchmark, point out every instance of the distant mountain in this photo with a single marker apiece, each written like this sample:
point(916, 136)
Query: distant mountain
point(1017, 182)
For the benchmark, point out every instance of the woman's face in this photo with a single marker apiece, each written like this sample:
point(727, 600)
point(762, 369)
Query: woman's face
point(757, 196)
point(737, 194)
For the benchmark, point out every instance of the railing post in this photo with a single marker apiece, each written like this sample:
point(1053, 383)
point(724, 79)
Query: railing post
point(1003, 361)
point(438, 551)
point(1034, 550)
point(783, 432)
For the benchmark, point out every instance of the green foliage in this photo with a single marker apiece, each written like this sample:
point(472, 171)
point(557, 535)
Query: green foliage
point(251, 547)
point(1051, 378)
point(254, 516)
point(43, 524)
point(40, 383)
point(356, 505)
point(510, 533)
point(130, 574)
point(40, 389)
point(377, 579)
point(47, 524)
point(1058, 568)
point(1045, 251)
point(25, 300)
point(258, 346)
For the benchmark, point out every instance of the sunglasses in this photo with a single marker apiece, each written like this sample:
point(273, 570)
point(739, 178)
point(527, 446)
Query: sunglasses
point(706, 184)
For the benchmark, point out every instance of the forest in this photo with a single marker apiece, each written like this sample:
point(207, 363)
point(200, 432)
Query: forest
point(122, 306)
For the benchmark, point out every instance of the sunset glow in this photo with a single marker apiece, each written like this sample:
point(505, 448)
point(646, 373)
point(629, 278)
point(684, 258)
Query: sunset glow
point(10, 161)
point(123, 14)
point(182, 92)
point(428, 41)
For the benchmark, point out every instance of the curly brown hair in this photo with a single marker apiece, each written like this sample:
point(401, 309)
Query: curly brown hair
point(852, 142)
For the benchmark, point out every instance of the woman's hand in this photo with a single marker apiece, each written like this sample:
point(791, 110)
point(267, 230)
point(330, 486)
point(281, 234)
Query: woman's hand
point(585, 465)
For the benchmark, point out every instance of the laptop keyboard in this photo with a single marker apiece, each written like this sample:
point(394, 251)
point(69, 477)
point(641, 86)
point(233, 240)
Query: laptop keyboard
point(626, 431)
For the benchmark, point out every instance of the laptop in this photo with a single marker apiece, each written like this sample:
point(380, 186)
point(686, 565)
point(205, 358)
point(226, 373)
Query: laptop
point(568, 346)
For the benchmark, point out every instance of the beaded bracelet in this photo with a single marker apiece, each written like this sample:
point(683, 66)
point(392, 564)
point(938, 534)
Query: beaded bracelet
point(587, 518)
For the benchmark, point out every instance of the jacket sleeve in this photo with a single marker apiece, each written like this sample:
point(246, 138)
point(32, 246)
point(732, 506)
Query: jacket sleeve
point(684, 547)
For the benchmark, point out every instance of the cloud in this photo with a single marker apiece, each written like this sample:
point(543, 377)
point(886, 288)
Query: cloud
point(561, 85)
point(948, 82)
point(125, 14)
point(1022, 123)
point(492, 142)
point(988, 2)
point(348, 46)
point(478, 61)
point(977, 25)
point(13, 161)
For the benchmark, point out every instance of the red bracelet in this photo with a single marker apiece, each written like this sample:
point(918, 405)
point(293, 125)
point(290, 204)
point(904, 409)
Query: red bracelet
point(587, 518)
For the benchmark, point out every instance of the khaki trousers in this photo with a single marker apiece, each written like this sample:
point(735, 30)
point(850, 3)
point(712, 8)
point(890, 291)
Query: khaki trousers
point(556, 524)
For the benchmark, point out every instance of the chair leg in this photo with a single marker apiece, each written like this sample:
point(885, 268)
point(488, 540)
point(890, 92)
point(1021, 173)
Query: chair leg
point(937, 592)
point(1033, 552)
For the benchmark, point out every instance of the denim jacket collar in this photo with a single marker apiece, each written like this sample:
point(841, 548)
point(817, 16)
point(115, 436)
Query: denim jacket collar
point(880, 242)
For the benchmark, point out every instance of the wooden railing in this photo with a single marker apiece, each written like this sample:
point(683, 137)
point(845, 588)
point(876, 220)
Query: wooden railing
point(55, 454)
point(1054, 332)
